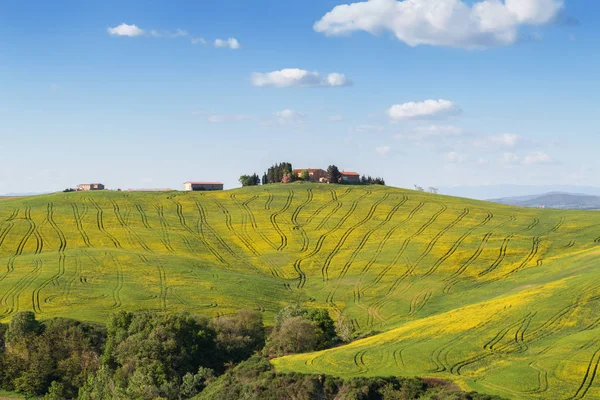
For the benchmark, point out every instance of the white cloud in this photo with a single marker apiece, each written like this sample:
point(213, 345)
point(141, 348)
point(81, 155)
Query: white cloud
point(168, 34)
point(424, 109)
point(336, 118)
point(450, 23)
point(198, 40)
point(539, 157)
point(456, 158)
point(125, 30)
point(290, 77)
point(383, 150)
point(289, 114)
point(231, 43)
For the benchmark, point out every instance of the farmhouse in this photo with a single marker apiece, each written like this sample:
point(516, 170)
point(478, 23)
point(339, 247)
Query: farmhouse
point(350, 177)
point(202, 186)
point(314, 174)
point(90, 186)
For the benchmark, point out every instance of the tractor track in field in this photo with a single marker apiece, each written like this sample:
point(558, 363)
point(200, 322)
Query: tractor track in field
point(196, 235)
point(78, 217)
point(134, 238)
point(9, 225)
point(270, 199)
point(359, 361)
point(535, 247)
point(62, 258)
point(338, 205)
point(455, 277)
point(116, 290)
point(382, 243)
point(432, 243)
point(377, 305)
point(318, 211)
point(589, 376)
point(500, 258)
point(250, 215)
point(406, 242)
point(298, 263)
point(11, 298)
point(162, 278)
point(205, 225)
point(164, 226)
point(365, 238)
point(457, 244)
point(296, 224)
point(100, 223)
point(273, 219)
point(143, 216)
point(246, 241)
point(536, 222)
point(31, 231)
point(346, 235)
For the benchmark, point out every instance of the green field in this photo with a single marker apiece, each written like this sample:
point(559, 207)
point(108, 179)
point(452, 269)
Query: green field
point(498, 299)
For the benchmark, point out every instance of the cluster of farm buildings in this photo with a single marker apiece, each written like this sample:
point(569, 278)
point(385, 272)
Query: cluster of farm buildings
point(314, 175)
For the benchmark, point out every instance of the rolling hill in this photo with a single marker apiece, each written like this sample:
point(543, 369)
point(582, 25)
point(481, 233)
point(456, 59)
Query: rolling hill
point(499, 299)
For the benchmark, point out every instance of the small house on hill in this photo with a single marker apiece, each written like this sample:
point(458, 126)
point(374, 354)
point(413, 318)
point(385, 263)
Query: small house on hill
point(314, 174)
point(350, 177)
point(90, 186)
point(202, 186)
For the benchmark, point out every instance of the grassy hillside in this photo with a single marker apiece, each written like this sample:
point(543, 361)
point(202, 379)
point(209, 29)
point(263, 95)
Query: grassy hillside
point(499, 299)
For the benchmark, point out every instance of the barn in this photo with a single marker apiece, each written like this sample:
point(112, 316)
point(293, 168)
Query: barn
point(202, 186)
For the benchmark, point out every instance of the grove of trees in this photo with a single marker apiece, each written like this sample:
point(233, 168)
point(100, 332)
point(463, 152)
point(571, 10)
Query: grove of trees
point(156, 356)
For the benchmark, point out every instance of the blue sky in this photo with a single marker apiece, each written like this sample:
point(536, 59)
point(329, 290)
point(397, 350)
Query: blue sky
point(149, 94)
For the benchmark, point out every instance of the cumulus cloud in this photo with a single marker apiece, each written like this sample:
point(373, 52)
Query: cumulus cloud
point(291, 77)
point(383, 150)
point(449, 23)
point(125, 30)
point(198, 40)
point(423, 110)
point(510, 158)
point(231, 43)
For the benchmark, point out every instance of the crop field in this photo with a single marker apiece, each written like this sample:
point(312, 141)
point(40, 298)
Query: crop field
point(499, 299)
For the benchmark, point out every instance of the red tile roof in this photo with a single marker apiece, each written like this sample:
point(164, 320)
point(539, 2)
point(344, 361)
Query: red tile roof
point(350, 173)
point(308, 169)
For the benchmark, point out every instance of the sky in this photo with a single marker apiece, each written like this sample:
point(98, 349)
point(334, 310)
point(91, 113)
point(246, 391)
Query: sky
point(444, 93)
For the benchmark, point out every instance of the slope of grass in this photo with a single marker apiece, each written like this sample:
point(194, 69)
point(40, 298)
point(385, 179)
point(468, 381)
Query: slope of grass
point(499, 299)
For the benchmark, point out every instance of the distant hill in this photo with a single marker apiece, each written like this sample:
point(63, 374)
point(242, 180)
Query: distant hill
point(504, 191)
point(566, 201)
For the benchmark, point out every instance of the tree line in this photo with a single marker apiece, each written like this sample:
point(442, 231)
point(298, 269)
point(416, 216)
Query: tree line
point(156, 356)
point(283, 173)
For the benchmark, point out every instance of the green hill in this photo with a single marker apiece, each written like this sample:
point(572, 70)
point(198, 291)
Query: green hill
point(499, 299)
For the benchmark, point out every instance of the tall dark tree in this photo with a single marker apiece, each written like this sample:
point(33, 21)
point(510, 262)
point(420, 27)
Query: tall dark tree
point(333, 174)
point(265, 179)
